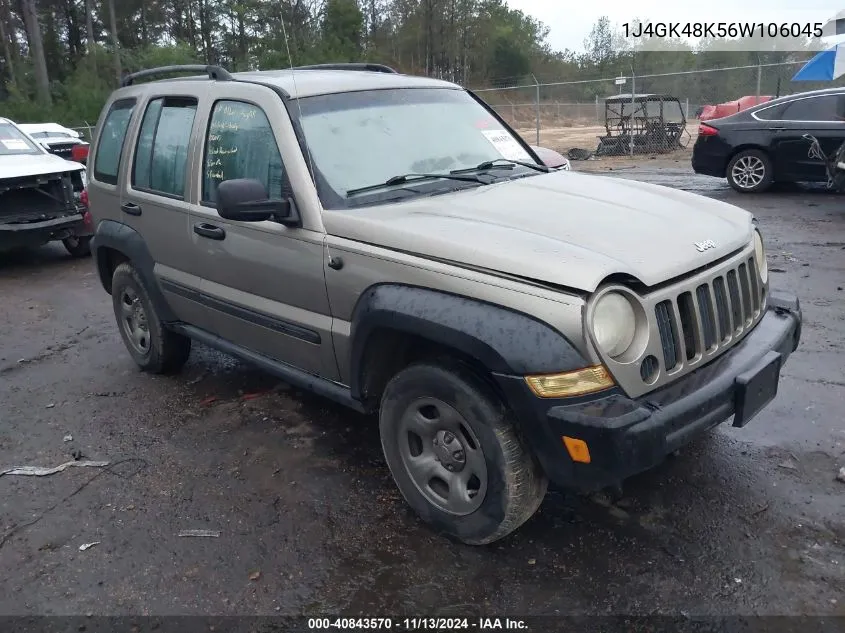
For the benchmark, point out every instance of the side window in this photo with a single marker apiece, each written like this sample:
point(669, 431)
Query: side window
point(110, 145)
point(161, 155)
point(240, 144)
point(772, 113)
point(144, 147)
point(823, 108)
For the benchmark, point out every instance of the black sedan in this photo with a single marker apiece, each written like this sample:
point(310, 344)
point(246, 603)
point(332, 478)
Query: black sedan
point(790, 139)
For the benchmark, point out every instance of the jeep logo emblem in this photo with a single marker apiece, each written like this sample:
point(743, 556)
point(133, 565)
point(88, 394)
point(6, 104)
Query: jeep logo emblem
point(706, 245)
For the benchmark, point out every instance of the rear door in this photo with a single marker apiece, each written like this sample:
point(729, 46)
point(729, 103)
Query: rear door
point(820, 116)
point(157, 192)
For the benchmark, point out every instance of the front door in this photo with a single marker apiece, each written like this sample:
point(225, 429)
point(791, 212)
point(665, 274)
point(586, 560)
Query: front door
point(822, 117)
point(263, 281)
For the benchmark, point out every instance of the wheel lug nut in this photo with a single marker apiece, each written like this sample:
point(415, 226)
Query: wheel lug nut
point(459, 455)
point(448, 437)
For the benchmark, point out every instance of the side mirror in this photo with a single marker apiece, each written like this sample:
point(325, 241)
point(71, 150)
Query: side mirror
point(246, 200)
point(551, 158)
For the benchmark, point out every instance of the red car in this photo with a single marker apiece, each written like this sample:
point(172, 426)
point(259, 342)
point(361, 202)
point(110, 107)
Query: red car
point(730, 107)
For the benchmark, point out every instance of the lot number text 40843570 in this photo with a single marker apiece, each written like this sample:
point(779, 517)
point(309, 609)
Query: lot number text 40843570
point(418, 624)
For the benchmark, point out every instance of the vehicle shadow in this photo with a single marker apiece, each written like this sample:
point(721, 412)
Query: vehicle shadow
point(804, 187)
point(46, 257)
point(667, 534)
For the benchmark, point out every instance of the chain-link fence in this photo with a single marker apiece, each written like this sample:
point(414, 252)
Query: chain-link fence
point(86, 131)
point(602, 117)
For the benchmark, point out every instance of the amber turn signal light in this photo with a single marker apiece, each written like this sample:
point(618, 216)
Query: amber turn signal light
point(577, 449)
point(571, 383)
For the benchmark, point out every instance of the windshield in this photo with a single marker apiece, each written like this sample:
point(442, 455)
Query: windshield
point(361, 139)
point(14, 142)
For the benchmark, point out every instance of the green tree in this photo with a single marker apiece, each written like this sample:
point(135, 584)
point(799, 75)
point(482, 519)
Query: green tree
point(59, 58)
point(36, 46)
point(600, 52)
point(342, 30)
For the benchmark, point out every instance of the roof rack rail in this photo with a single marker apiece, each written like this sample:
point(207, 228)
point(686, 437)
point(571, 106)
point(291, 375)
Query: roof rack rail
point(214, 72)
point(374, 68)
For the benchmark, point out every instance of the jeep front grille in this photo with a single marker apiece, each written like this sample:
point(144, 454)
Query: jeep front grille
point(691, 321)
point(709, 317)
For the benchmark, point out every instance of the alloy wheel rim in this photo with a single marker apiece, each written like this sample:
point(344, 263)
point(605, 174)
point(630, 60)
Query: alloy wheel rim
point(443, 457)
point(748, 172)
point(133, 321)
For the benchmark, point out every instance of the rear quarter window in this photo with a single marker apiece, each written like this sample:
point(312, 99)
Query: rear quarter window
point(772, 113)
point(112, 137)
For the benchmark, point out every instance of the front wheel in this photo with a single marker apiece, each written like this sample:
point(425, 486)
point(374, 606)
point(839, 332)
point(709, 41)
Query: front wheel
point(750, 171)
point(452, 449)
point(78, 246)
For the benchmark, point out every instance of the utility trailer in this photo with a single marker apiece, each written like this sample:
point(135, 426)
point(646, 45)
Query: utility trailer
point(655, 122)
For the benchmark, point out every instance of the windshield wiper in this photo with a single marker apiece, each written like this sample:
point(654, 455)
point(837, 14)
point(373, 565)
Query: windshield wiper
point(406, 178)
point(502, 163)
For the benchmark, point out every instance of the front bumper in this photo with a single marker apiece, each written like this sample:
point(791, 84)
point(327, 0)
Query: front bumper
point(23, 234)
point(628, 436)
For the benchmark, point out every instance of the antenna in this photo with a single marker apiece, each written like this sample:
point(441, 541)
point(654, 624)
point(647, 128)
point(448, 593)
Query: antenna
point(298, 104)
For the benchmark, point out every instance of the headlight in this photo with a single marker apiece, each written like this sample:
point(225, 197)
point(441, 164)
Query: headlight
point(614, 323)
point(760, 257)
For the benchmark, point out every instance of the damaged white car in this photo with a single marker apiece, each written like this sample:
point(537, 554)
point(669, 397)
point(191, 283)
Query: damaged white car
point(42, 196)
point(57, 139)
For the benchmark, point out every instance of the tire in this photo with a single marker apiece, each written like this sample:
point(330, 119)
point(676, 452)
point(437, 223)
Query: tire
point(430, 417)
point(750, 171)
point(78, 246)
point(153, 347)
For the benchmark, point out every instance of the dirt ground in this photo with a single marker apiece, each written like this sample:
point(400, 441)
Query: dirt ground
point(562, 139)
point(744, 521)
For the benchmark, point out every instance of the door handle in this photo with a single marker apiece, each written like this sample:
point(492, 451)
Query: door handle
point(210, 231)
point(130, 208)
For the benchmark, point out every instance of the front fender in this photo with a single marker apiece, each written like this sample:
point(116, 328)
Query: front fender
point(503, 340)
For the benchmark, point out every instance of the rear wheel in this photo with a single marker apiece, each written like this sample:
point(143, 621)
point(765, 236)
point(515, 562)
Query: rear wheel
point(750, 171)
point(452, 449)
point(78, 246)
point(153, 347)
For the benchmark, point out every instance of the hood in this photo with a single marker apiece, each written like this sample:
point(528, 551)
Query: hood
point(21, 165)
point(561, 228)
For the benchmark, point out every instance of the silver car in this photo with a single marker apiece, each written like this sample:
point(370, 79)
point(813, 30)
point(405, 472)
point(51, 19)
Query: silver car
point(389, 242)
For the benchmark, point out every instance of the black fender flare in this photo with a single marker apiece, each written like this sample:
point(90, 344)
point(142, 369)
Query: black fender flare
point(503, 340)
point(126, 240)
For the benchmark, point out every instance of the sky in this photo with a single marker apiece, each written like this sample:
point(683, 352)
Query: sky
point(570, 21)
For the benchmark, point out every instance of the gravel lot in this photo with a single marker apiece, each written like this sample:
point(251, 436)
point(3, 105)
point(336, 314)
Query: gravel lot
point(748, 521)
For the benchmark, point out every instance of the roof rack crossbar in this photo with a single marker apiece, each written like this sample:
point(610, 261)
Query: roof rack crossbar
point(214, 72)
point(375, 68)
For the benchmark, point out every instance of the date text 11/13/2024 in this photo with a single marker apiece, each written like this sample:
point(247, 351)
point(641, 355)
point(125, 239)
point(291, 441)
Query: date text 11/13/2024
point(417, 624)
